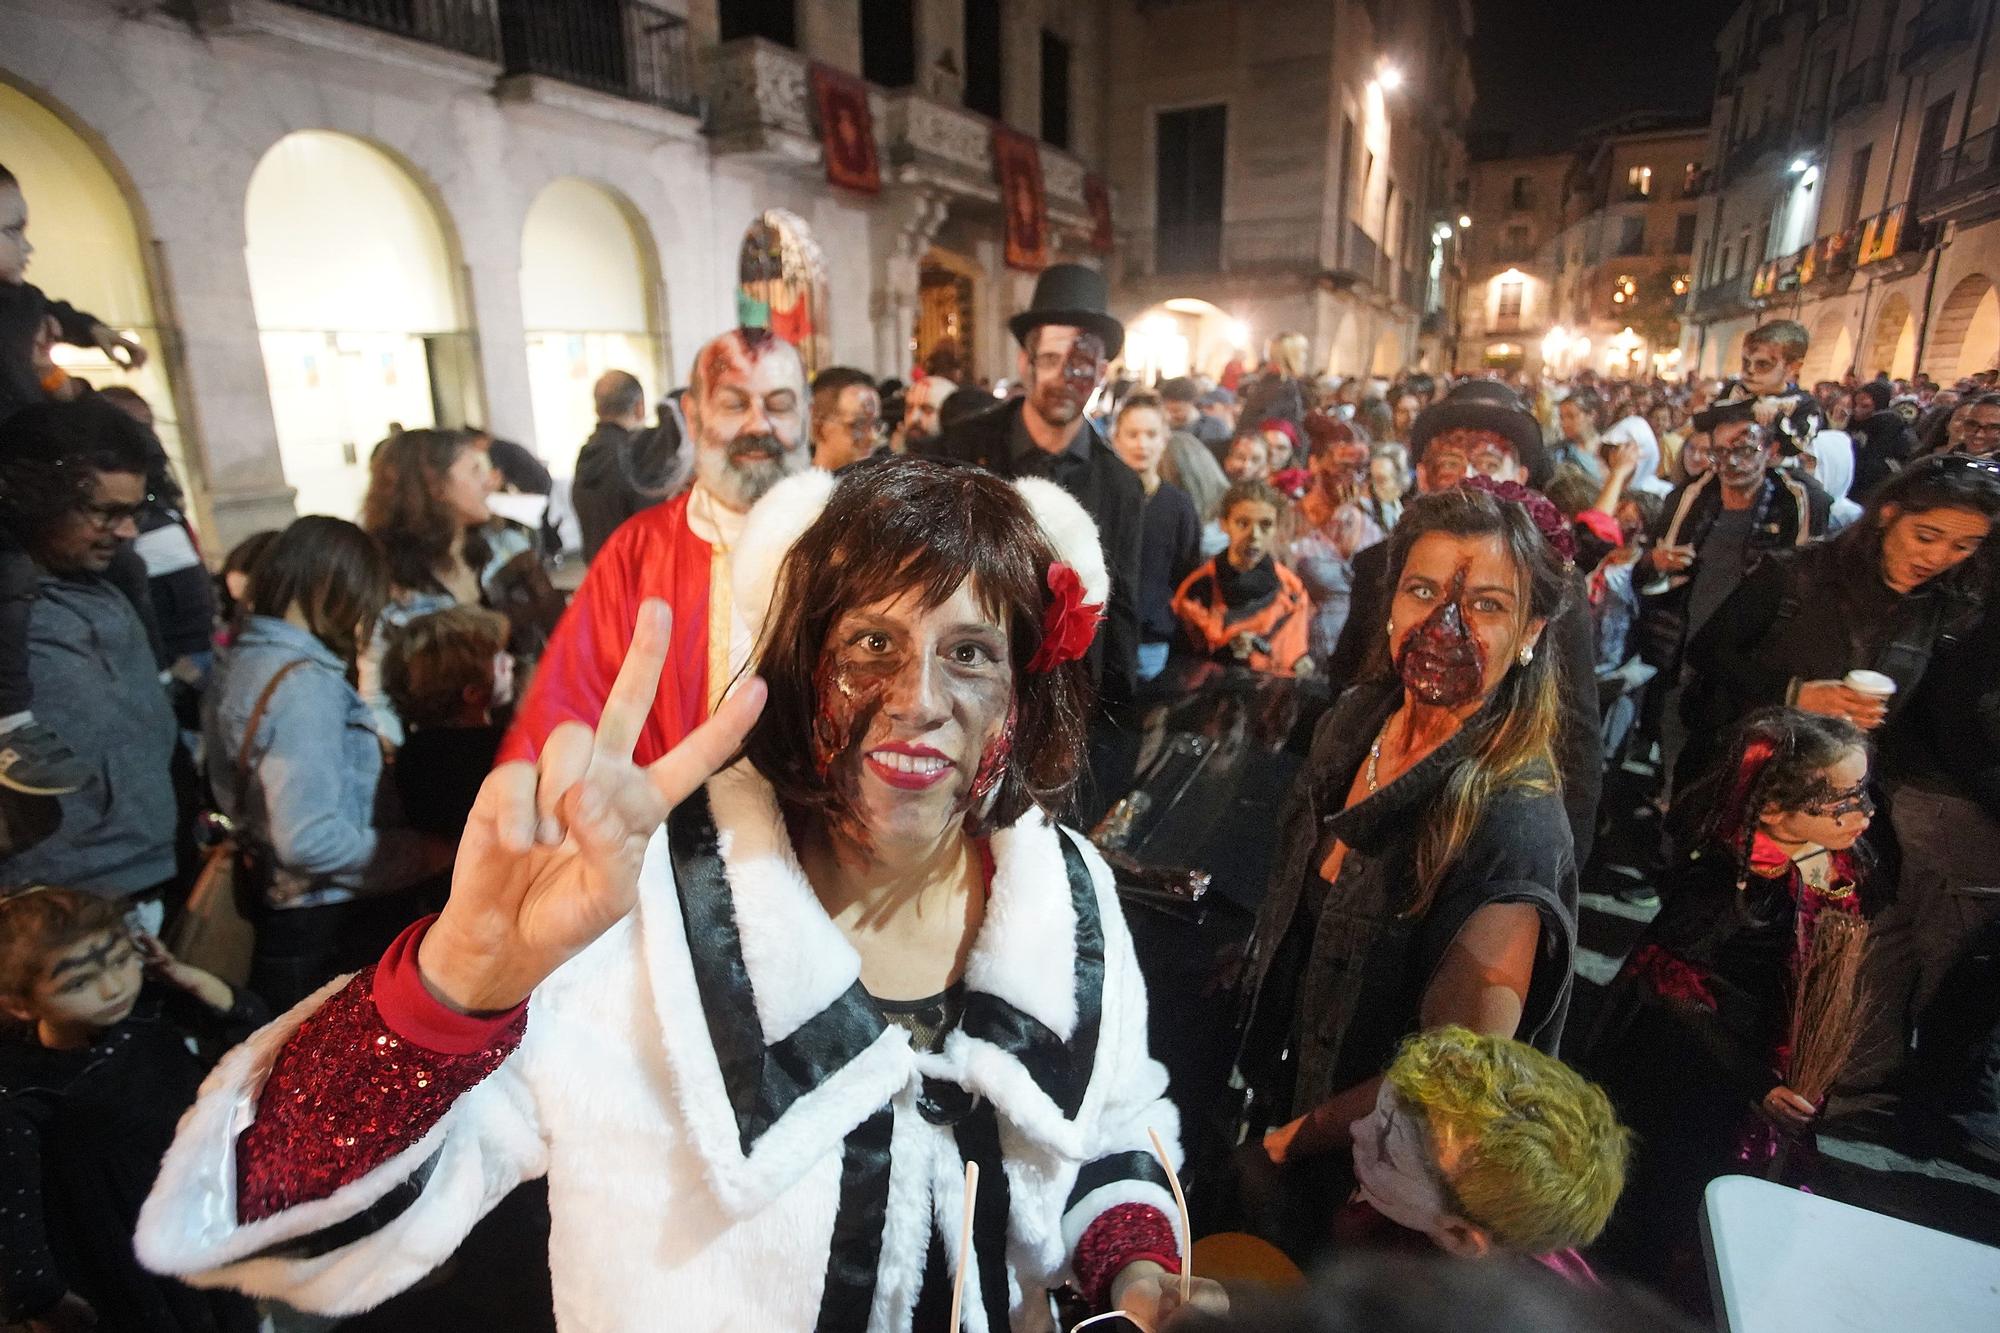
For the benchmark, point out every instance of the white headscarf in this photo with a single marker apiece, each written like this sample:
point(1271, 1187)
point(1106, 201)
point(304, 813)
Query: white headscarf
point(1833, 452)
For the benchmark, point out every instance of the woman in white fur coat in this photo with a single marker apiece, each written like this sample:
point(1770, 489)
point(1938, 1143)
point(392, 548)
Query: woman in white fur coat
point(753, 1025)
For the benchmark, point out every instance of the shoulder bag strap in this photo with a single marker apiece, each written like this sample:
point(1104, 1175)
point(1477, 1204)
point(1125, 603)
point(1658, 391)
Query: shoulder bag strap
point(257, 715)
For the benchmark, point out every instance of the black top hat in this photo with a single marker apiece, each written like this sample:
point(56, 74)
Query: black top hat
point(1074, 295)
point(1486, 405)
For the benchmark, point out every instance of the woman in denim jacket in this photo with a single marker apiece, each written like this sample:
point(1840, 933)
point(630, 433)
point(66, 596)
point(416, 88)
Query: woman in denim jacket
point(302, 792)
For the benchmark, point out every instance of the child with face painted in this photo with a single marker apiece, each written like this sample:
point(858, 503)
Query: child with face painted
point(1243, 608)
point(1485, 1147)
point(1691, 1040)
point(95, 1070)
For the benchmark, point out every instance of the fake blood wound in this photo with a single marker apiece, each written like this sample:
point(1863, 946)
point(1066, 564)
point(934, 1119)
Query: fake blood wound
point(993, 761)
point(1440, 662)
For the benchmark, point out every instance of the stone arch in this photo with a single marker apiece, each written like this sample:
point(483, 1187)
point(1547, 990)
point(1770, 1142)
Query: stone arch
point(1821, 362)
point(1892, 345)
point(355, 282)
point(590, 285)
point(92, 249)
point(1965, 333)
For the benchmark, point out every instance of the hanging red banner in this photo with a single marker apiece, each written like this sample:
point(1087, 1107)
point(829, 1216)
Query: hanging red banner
point(1017, 163)
point(1098, 199)
point(846, 130)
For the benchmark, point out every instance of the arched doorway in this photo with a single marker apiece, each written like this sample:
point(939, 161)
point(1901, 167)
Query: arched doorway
point(781, 286)
point(1965, 334)
point(1181, 336)
point(1843, 354)
point(588, 284)
point(1343, 356)
point(352, 278)
point(1388, 357)
point(946, 341)
point(1894, 345)
point(1821, 363)
point(88, 252)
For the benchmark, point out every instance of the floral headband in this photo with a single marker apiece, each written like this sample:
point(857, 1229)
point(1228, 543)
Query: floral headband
point(1555, 529)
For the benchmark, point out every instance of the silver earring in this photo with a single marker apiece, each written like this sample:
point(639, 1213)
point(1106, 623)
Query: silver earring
point(1527, 654)
point(1390, 629)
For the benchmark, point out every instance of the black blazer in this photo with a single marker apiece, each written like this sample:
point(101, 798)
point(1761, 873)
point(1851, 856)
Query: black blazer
point(1109, 492)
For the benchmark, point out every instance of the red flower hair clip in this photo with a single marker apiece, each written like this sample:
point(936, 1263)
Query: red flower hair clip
point(1068, 624)
point(1555, 529)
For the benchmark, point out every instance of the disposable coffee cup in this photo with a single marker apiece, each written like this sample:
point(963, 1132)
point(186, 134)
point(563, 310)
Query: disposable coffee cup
point(1871, 683)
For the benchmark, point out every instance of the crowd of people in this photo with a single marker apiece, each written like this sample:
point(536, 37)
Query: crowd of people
point(735, 894)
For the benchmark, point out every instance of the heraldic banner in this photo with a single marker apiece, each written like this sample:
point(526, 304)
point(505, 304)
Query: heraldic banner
point(1017, 162)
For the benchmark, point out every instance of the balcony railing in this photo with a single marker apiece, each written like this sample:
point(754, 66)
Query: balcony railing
point(1748, 152)
point(1262, 246)
point(1970, 169)
point(1728, 297)
point(1862, 85)
point(1360, 256)
point(633, 49)
point(1939, 28)
point(466, 26)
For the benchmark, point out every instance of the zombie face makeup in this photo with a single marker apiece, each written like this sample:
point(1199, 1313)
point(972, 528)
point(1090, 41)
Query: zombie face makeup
point(916, 711)
point(1453, 455)
point(1739, 455)
point(1396, 1168)
point(1063, 366)
point(747, 415)
point(1459, 619)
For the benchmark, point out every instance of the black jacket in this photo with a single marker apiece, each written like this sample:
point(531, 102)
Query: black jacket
point(619, 472)
point(1881, 445)
point(1109, 492)
point(22, 310)
point(1336, 973)
point(1361, 653)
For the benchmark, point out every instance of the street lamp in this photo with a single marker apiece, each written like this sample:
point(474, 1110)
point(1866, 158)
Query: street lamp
point(1390, 77)
point(1801, 165)
point(1464, 220)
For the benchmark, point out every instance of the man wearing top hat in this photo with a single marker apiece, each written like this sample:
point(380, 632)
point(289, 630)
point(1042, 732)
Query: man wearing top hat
point(1481, 427)
point(1067, 338)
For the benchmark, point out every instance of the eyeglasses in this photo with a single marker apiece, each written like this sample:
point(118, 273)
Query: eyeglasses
point(107, 517)
point(1742, 455)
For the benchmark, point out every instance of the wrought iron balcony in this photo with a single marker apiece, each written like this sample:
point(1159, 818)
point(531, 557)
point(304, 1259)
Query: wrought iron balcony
point(1965, 182)
point(1862, 85)
point(469, 27)
point(1271, 245)
point(635, 49)
point(1719, 300)
point(1938, 30)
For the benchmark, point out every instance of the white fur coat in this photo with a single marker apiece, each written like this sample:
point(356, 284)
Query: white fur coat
point(688, 1194)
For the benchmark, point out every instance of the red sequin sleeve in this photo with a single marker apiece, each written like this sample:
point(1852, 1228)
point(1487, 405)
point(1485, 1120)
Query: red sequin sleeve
point(363, 1078)
point(1118, 1237)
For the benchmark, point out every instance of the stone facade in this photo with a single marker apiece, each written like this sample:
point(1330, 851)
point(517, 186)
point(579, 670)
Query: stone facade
point(1335, 180)
point(1854, 188)
point(182, 102)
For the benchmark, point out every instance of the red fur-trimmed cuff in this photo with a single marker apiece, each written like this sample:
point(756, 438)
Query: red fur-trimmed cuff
point(349, 1091)
point(1118, 1237)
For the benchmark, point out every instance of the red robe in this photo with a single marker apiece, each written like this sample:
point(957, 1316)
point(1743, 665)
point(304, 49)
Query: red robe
point(652, 554)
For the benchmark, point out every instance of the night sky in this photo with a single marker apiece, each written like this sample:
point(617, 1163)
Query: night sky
point(1547, 69)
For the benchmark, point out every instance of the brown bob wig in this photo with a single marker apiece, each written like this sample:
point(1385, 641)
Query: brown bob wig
point(920, 525)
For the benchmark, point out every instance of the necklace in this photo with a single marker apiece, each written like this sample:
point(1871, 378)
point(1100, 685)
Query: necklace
point(1375, 758)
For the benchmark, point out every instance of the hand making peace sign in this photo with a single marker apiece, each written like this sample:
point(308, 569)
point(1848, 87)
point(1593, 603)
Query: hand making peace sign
point(550, 858)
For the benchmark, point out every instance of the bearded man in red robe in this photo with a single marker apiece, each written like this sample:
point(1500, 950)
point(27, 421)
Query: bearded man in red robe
point(746, 415)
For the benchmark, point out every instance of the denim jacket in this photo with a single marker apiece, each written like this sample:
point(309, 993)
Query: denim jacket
point(307, 807)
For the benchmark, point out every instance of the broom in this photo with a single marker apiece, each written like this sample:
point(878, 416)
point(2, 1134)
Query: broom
point(1826, 1009)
